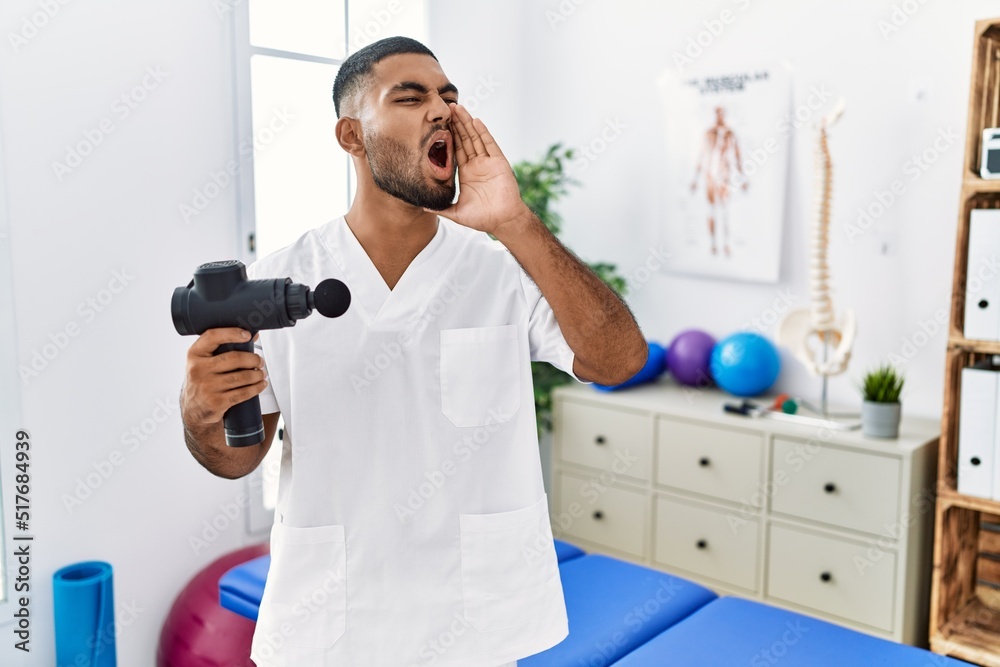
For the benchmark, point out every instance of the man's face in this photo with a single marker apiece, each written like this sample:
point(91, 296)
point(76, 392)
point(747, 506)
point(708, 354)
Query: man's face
point(407, 133)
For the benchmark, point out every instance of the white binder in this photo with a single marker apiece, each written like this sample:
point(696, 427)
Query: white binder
point(977, 432)
point(982, 281)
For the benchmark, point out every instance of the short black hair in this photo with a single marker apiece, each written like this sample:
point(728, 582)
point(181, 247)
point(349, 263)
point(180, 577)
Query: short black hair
point(359, 64)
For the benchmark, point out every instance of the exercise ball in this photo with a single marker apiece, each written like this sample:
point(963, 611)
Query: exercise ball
point(198, 631)
point(745, 364)
point(656, 364)
point(688, 357)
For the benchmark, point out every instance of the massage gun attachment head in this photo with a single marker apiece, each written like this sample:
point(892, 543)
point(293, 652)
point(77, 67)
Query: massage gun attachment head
point(331, 298)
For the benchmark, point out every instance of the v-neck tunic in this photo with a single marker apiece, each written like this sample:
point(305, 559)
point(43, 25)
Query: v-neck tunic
point(412, 525)
point(372, 294)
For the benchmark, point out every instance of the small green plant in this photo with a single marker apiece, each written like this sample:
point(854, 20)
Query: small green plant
point(882, 384)
point(542, 183)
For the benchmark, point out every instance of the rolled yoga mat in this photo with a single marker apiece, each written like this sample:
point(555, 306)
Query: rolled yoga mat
point(84, 607)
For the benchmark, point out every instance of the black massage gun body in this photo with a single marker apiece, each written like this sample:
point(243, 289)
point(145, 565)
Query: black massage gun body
point(221, 296)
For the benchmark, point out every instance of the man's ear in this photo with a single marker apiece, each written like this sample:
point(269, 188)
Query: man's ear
point(348, 131)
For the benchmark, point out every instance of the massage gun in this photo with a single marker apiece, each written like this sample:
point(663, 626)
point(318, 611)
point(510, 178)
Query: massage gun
point(221, 296)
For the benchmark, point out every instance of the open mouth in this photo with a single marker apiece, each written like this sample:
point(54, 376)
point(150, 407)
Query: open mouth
point(438, 154)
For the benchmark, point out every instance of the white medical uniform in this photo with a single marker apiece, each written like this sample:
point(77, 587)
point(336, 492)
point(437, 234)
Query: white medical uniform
point(412, 525)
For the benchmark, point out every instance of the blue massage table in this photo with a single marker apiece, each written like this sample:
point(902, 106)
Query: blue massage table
point(734, 631)
point(241, 588)
point(627, 615)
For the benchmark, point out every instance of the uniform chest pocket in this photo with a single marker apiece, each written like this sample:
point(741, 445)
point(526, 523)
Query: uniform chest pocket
point(306, 588)
point(480, 375)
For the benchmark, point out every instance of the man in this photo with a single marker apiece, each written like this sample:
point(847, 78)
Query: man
point(719, 148)
point(412, 525)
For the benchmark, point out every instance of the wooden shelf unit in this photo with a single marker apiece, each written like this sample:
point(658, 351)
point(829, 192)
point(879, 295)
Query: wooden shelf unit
point(952, 498)
point(965, 586)
point(974, 183)
point(969, 345)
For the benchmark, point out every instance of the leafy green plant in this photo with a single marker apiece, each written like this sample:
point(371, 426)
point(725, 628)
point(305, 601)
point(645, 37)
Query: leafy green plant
point(542, 183)
point(882, 384)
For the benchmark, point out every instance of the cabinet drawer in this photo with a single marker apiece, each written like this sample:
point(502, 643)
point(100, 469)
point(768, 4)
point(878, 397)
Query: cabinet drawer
point(847, 579)
point(604, 438)
point(719, 462)
point(841, 487)
point(611, 516)
point(707, 541)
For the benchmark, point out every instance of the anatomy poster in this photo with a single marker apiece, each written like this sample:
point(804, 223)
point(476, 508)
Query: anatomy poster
point(723, 187)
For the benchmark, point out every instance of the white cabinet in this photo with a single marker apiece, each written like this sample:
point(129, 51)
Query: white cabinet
point(706, 541)
point(828, 523)
point(831, 575)
point(693, 457)
point(608, 439)
point(837, 486)
point(615, 517)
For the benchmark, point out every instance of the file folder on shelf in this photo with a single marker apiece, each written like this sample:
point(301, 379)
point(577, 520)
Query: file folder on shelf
point(982, 282)
point(977, 433)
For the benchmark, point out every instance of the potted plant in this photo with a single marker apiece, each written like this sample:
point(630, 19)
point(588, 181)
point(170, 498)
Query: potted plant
point(541, 183)
point(880, 408)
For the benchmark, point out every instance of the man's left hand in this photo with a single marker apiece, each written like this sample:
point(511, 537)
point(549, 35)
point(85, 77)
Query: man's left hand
point(488, 192)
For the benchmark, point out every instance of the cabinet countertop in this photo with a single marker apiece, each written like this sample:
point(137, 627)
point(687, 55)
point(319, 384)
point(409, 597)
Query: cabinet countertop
point(667, 397)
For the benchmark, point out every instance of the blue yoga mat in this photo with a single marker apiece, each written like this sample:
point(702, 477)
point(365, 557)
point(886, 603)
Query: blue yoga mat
point(84, 606)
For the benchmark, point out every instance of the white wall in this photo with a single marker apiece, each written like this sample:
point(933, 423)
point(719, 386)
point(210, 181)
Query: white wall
point(478, 46)
point(586, 62)
point(118, 211)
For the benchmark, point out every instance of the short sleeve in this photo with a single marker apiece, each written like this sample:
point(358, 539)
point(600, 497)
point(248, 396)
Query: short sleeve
point(545, 338)
point(268, 403)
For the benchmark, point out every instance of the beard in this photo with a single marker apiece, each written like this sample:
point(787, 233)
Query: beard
point(396, 173)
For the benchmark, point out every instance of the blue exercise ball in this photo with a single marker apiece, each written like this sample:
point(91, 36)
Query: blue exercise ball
point(745, 364)
point(656, 364)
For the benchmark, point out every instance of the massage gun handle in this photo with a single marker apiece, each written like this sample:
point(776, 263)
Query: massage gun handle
point(243, 422)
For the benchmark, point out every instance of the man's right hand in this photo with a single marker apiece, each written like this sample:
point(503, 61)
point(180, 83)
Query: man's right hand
point(215, 383)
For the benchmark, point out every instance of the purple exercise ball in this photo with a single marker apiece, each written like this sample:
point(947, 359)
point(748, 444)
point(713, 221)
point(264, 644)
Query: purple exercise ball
point(688, 357)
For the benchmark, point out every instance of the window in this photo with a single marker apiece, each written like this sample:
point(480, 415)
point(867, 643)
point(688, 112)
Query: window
point(294, 176)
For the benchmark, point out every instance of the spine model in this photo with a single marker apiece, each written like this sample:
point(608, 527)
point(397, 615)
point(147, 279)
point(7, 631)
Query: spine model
point(834, 339)
point(819, 272)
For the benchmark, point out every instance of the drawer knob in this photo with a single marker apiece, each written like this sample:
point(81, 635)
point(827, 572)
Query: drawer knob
point(825, 577)
point(598, 514)
point(983, 303)
point(830, 487)
point(599, 439)
point(702, 544)
point(704, 462)
point(975, 460)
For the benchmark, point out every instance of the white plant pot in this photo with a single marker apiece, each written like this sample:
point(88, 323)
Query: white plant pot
point(880, 420)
